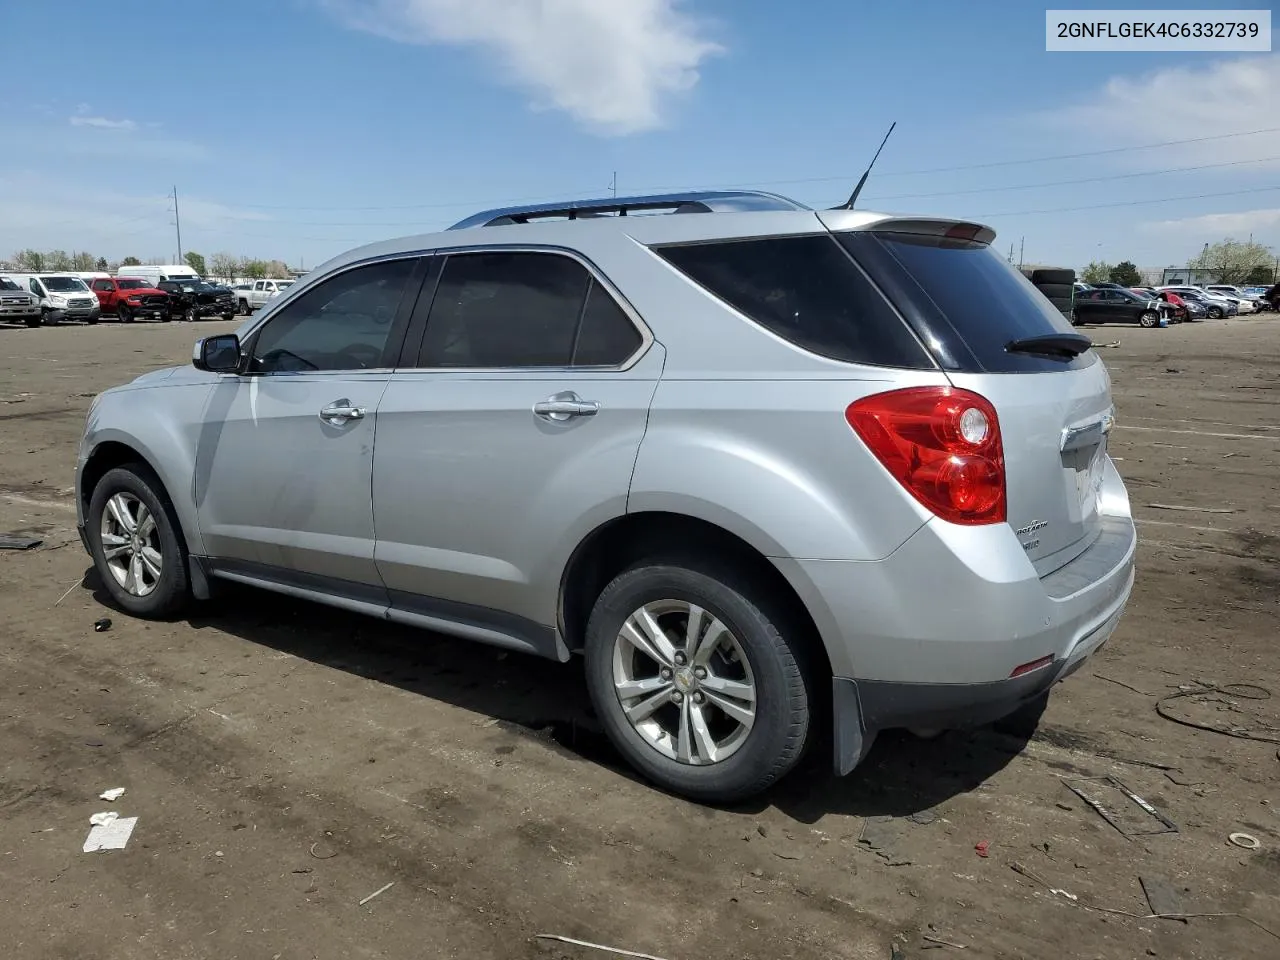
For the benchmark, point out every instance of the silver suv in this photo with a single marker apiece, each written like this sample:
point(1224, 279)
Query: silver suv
point(776, 472)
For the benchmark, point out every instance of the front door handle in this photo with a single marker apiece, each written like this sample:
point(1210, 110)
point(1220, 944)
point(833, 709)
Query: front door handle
point(340, 412)
point(562, 406)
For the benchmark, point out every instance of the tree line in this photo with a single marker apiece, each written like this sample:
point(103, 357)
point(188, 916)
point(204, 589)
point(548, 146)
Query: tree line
point(1229, 261)
point(222, 265)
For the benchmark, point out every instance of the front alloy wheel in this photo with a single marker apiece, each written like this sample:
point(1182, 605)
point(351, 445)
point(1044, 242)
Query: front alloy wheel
point(692, 699)
point(1148, 319)
point(131, 544)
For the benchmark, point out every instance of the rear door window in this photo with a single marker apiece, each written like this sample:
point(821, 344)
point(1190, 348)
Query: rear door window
point(805, 290)
point(965, 300)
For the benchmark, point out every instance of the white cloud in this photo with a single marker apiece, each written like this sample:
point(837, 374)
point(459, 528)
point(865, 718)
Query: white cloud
point(1176, 103)
point(103, 123)
point(1238, 225)
point(611, 64)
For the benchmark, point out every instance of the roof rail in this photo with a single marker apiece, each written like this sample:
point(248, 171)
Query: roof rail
point(708, 201)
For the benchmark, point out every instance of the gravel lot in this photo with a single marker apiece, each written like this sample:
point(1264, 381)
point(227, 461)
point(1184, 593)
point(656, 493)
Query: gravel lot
point(286, 760)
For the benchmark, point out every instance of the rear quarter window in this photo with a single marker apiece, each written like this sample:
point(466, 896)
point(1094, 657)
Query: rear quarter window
point(806, 290)
point(963, 299)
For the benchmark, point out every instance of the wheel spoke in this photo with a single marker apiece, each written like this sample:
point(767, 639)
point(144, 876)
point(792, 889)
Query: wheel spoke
point(735, 710)
point(148, 526)
point(645, 708)
point(729, 688)
point(144, 515)
point(133, 580)
point(643, 632)
point(702, 736)
point(151, 561)
point(119, 508)
point(110, 553)
point(715, 632)
point(684, 743)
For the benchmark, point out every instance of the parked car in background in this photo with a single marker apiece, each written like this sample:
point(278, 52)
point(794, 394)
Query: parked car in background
point(563, 430)
point(18, 304)
point(1120, 305)
point(1216, 307)
point(130, 298)
point(1185, 310)
point(1255, 303)
point(194, 299)
point(258, 293)
point(62, 296)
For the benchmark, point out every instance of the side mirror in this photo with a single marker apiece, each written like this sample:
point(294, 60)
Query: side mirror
point(218, 354)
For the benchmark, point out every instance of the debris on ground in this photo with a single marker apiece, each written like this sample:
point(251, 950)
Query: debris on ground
point(1223, 700)
point(1246, 840)
point(115, 793)
point(1185, 509)
point(882, 836)
point(596, 946)
point(10, 541)
point(1107, 795)
point(102, 626)
point(981, 848)
point(923, 817)
point(110, 831)
point(322, 851)
point(381, 890)
point(1162, 898)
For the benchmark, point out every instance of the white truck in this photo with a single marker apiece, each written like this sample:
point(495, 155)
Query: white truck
point(254, 294)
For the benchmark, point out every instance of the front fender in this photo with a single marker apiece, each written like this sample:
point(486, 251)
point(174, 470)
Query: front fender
point(163, 425)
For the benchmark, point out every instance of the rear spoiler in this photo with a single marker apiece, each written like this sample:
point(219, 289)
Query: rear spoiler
point(921, 226)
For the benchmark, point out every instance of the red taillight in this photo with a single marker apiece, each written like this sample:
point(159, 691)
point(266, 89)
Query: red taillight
point(942, 444)
point(1031, 667)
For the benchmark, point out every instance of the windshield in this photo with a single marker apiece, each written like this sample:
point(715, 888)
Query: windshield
point(64, 284)
point(6, 284)
point(133, 284)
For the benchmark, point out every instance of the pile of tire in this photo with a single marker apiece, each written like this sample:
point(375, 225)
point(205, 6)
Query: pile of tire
point(1057, 284)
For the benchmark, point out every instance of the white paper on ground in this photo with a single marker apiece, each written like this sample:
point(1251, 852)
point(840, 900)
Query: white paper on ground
point(111, 835)
point(115, 793)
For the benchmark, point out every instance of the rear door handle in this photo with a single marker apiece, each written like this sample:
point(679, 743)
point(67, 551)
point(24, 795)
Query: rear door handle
point(340, 412)
point(562, 406)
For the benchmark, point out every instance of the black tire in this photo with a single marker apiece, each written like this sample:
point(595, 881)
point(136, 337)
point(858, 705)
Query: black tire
point(93, 318)
point(1053, 276)
point(784, 697)
point(124, 314)
point(1056, 291)
point(172, 589)
point(45, 313)
point(244, 307)
point(34, 321)
point(1073, 319)
point(1216, 313)
point(190, 315)
point(1149, 319)
point(166, 317)
point(228, 316)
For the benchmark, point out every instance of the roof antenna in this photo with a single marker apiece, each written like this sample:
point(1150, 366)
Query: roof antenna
point(853, 197)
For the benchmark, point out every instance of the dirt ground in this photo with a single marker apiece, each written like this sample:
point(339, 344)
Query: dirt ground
point(286, 760)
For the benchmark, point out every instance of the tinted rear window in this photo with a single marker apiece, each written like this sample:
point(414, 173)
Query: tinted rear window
point(964, 298)
point(806, 290)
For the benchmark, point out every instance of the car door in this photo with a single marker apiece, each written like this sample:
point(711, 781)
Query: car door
point(1090, 306)
point(102, 290)
point(284, 462)
point(508, 435)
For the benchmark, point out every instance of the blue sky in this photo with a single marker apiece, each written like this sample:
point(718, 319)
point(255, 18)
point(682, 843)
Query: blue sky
point(299, 128)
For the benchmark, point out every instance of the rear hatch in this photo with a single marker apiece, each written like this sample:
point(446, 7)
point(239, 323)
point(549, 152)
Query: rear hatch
point(993, 332)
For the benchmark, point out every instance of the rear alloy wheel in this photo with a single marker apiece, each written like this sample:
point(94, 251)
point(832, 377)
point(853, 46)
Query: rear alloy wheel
point(135, 543)
point(124, 314)
point(695, 685)
point(1148, 319)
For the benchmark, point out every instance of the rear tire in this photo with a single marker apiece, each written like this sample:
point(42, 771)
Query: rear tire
point(752, 657)
point(244, 308)
point(146, 575)
point(1039, 277)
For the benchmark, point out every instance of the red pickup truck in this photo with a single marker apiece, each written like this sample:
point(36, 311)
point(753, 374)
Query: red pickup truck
point(130, 297)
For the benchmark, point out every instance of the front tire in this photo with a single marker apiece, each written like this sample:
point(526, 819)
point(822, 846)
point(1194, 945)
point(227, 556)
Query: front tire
point(124, 314)
point(696, 679)
point(136, 543)
point(1215, 313)
point(190, 315)
point(228, 316)
point(1148, 319)
point(34, 322)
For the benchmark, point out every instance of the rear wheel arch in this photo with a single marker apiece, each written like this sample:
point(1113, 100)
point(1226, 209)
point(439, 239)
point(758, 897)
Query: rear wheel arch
point(622, 542)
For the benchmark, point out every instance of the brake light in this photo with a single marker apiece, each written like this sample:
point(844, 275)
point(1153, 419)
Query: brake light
point(941, 443)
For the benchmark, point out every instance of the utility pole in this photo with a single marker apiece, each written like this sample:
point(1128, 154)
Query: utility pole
point(1022, 248)
point(613, 186)
point(177, 221)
